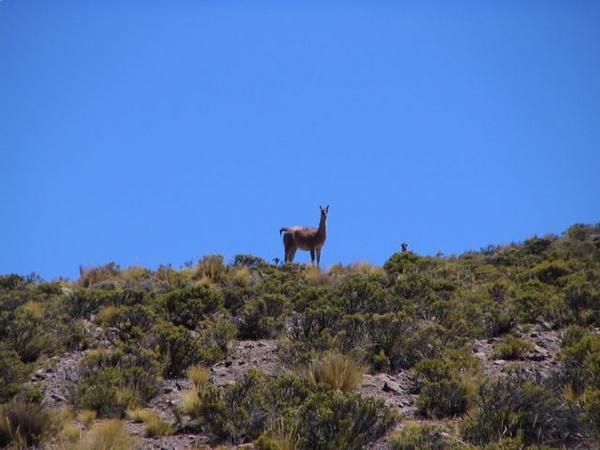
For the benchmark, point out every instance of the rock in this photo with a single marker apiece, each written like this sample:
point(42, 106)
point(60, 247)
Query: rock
point(499, 362)
point(388, 387)
point(58, 398)
point(542, 322)
point(228, 363)
point(534, 334)
point(538, 354)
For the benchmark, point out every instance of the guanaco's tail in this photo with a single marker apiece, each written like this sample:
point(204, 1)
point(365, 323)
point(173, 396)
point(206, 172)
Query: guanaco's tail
point(282, 230)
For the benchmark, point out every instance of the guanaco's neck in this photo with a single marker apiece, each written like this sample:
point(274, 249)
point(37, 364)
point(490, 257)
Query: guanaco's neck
point(322, 231)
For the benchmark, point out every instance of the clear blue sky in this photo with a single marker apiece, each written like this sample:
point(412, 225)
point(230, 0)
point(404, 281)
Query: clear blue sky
point(156, 132)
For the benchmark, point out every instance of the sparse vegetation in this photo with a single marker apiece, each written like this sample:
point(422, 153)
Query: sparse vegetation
point(427, 318)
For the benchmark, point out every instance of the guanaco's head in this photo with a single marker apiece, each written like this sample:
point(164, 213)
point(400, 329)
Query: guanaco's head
point(324, 211)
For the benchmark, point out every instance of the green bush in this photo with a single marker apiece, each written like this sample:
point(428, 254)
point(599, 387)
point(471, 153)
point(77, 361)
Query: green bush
point(263, 317)
point(512, 348)
point(514, 406)
point(580, 359)
point(242, 411)
point(188, 306)
point(591, 408)
point(334, 420)
point(112, 381)
point(13, 372)
point(85, 302)
point(178, 348)
point(444, 398)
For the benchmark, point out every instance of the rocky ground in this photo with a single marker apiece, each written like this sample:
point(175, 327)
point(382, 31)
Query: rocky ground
point(59, 377)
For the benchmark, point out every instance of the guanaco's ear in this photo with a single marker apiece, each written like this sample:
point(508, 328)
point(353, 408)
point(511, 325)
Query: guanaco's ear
point(327, 208)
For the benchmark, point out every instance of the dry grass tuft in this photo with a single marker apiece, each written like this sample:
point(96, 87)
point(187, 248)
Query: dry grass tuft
point(36, 309)
point(135, 273)
point(139, 414)
point(105, 315)
point(241, 277)
point(282, 436)
point(88, 276)
point(24, 424)
point(313, 276)
point(87, 417)
point(198, 375)
point(108, 435)
point(211, 269)
point(190, 403)
point(154, 425)
point(337, 371)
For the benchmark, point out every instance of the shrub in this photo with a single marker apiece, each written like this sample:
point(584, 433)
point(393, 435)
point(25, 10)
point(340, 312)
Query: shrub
point(111, 382)
point(188, 306)
point(335, 420)
point(24, 424)
point(85, 302)
point(444, 398)
point(13, 372)
point(514, 406)
point(580, 359)
point(415, 436)
point(591, 408)
point(263, 317)
point(29, 336)
point(512, 348)
point(214, 339)
point(337, 372)
point(178, 348)
point(242, 411)
point(249, 261)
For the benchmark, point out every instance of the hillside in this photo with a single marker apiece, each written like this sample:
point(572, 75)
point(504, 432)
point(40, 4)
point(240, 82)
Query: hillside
point(496, 349)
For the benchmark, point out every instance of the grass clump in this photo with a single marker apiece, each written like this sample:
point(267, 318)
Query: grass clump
point(198, 375)
point(24, 424)
point(282, 435)
point(337, 371)
point(512, 348)
point(108, 435)
point(415, 436)
point(87, 417)
point(153, 424)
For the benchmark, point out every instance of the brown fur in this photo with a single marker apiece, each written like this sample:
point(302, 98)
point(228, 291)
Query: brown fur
point(306, 238)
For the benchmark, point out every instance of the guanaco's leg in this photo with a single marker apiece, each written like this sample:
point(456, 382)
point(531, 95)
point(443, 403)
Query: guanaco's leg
point(312, 256)
point(292, 254)
point(318, 256)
